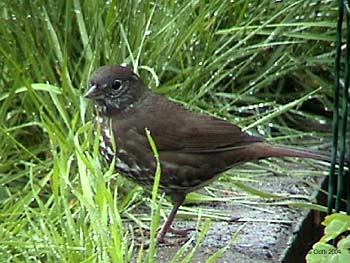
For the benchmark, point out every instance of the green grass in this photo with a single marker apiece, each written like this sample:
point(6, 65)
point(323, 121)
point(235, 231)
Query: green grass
point(260, 65)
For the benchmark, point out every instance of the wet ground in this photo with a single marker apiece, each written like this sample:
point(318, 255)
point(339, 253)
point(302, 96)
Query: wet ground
point(265, 231)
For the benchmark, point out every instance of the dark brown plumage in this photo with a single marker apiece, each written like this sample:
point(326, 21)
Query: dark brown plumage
point(193, 148)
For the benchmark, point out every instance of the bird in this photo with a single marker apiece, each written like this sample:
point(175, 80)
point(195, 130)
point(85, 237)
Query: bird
point(194, 148)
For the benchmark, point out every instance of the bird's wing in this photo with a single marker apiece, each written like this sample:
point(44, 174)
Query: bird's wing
point(187, 131)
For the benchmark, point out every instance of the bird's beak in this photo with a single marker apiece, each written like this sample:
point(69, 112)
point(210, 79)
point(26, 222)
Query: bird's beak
point(92, 93)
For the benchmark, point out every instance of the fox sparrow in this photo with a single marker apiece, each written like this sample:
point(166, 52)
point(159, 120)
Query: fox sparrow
point(193, 148)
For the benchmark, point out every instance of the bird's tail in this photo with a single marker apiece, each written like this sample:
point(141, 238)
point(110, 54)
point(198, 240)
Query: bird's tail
point(275, 150)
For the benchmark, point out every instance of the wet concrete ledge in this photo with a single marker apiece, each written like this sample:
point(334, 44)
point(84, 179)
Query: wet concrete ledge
point(271, 233)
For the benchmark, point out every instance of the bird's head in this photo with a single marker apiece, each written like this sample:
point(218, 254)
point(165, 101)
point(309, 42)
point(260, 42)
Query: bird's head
point(115, 88)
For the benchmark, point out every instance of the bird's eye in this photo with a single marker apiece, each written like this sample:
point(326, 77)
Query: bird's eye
point(116, 84)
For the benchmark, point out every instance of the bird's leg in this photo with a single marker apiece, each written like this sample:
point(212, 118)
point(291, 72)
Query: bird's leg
point(177, 201)
point(168, 222)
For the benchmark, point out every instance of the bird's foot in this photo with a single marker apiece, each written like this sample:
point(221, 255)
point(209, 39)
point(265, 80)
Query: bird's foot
point(162, 242)
point(177, 238)
point(181, 232)
point(182, 236)
point(171, 243)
